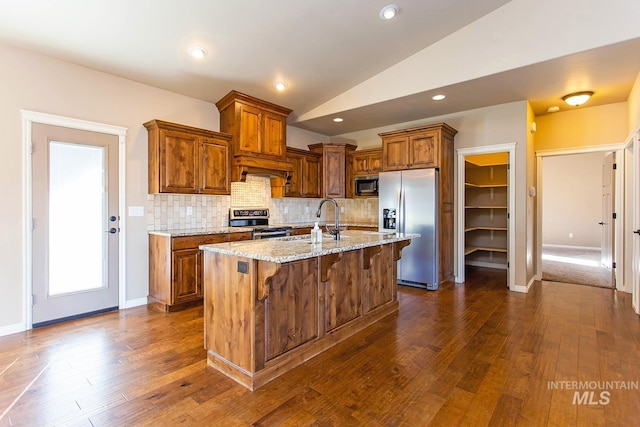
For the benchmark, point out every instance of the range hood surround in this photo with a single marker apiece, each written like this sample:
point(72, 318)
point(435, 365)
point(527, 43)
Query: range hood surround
point(278, 170)
point(258, 130)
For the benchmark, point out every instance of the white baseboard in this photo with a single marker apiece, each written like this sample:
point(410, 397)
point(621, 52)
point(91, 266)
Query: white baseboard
point(592, 248)
point(523, 289)
point(12, 329)
point(135, 303)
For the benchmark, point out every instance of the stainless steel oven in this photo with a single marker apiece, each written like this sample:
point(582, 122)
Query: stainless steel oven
point(258, 220)
point(270, 233)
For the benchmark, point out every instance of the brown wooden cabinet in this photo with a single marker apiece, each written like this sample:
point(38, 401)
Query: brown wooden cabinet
point(362, 163)
point(282, 314)
point(306, 177)
point(175, 267)
point(334, 167)
point(416, 148)
point(366, 162)
point(183, 159)
point(428, 147)
point(259, 128)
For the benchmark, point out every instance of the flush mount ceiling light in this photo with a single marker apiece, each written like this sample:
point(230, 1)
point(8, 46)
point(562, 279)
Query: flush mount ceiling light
point(197, 52)
point(553, 109)
point(338, 119)
point(280, 86)
point(438, 97)
point(389, 11)
point(577, 98)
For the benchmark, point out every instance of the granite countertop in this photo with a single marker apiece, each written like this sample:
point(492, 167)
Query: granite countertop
point(287, 249)
point(200, 231)
point(323, 223)
point(221, 230)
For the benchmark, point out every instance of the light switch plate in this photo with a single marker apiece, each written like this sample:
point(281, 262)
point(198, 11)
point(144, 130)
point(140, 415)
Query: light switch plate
point(136, 211)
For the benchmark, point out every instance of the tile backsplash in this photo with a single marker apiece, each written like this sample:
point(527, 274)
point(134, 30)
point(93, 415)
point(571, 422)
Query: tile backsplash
point(176, 211)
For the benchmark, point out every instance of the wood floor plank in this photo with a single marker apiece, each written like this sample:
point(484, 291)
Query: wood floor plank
point(467, 354)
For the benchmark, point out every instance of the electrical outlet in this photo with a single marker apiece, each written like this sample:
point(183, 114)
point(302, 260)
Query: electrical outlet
point(189, 210)
point(341, 209)
point(286, 209)
point(306, 209)
point(571, 235)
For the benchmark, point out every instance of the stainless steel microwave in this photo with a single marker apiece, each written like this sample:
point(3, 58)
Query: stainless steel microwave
point(366, 186)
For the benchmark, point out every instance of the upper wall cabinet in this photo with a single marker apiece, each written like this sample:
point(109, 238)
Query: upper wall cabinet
point(184, 159)
point(306, 177)
point(366, 162)
point(334, 167)
point(259, 128)
point(416, 148)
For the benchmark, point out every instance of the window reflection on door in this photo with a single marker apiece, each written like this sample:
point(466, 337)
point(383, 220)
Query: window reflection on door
point(76, 217)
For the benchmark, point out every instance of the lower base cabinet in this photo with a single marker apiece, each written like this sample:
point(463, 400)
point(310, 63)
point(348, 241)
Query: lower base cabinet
point(284, 314)
point(175, 268)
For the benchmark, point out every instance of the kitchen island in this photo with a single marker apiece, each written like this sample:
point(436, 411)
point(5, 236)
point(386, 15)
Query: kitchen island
point(270, 305)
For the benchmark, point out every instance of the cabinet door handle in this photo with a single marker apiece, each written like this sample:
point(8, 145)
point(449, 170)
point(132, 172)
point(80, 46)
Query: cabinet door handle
point(637, 232)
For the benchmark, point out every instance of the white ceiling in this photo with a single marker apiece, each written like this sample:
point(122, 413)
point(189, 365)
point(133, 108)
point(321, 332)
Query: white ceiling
point(320, 47)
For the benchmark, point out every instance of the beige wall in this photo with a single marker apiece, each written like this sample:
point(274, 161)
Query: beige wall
point(583, 127)
point(531, 201)
point(500, 124)
point(634, 107)
point(571, 199)
point(39, 83)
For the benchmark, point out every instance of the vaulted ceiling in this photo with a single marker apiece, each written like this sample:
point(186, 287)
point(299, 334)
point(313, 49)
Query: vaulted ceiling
point(322, 49)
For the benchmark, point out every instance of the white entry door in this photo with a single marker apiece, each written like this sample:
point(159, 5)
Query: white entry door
point(608, 186)
point(75, 223)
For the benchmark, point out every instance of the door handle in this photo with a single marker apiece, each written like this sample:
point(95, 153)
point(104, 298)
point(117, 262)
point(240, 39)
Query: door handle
point(601, 223)
point(637, 232)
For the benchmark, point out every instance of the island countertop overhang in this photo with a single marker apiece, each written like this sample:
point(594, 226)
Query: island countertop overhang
point(288, 249)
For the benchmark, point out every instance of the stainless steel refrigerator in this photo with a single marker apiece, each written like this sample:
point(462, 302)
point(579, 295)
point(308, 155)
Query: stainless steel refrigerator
point(408, 202)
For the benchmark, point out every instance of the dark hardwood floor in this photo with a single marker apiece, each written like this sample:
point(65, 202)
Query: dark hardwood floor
point(473, 354)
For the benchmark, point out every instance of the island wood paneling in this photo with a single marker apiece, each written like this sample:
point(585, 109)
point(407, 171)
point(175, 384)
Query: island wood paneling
point(342, 289)
point(291, 308)
point(263, 319)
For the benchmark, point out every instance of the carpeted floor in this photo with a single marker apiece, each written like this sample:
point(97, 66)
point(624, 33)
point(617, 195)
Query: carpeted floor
point(574, 265)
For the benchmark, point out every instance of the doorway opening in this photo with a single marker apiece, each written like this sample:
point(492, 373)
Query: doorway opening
point(485, 204)
point(577, 218)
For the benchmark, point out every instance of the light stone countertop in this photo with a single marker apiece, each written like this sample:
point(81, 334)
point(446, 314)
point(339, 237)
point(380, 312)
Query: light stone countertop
point(287, 249)
point(200, 231)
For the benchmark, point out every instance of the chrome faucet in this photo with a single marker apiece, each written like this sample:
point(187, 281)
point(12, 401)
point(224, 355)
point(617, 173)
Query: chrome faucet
point(335, 232)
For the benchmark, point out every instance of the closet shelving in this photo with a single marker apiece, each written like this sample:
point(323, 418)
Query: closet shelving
point(486, 211)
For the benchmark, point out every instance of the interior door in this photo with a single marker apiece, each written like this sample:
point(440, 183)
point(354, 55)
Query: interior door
point(636, 225)
point(75, 223)
point(608, 180)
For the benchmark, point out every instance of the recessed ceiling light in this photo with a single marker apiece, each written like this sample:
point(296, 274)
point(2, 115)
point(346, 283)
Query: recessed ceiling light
point(438, 97)
point(578, 98)
point(553, 109)
point(280, 86)
point(338, 119)
point(389, 11)
point(197, 52)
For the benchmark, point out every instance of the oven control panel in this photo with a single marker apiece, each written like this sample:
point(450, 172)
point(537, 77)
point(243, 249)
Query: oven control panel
point(249, 213)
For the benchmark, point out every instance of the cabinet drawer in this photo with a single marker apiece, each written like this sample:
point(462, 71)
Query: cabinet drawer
point(245, 235)
point(192, 242)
